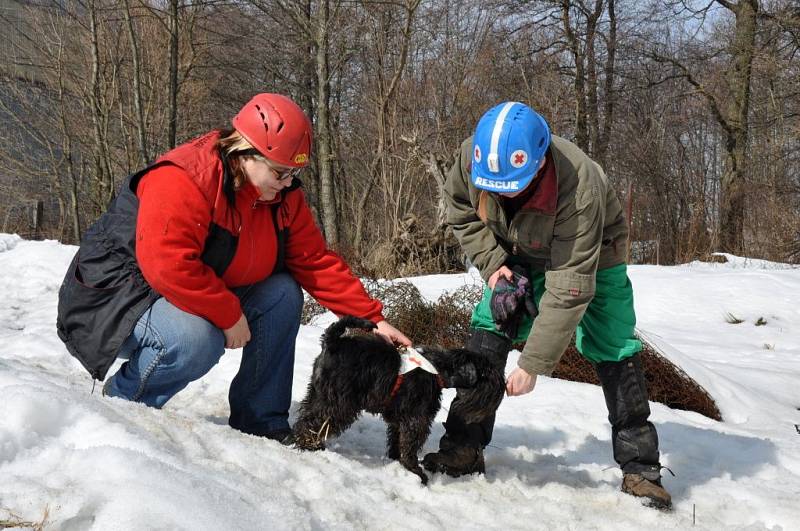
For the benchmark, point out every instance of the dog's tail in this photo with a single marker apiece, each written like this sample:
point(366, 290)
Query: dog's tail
point(337, 329)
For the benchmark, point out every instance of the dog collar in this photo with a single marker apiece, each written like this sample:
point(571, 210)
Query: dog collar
point(411, 358)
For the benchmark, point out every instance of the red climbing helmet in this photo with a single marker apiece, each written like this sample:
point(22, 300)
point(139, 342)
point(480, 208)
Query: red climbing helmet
point(277, 127)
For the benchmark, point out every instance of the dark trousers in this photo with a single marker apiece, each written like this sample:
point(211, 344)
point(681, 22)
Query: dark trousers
point(634, 438)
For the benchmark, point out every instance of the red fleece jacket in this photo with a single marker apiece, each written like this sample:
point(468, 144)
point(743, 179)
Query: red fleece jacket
point(171, 229)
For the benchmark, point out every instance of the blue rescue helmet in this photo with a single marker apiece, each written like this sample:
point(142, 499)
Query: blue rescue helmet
point(510, 142)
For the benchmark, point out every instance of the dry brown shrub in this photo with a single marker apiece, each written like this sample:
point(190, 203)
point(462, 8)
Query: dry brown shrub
point(446, 323)
point(415, 250)
point(311, 309)
point(666, 382)
point(713, 258)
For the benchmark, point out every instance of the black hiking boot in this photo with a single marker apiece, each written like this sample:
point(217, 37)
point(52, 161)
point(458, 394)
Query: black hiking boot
point(653, 493)
point(455, 461)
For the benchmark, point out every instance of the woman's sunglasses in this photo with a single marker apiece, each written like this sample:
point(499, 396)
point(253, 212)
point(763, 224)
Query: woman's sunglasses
point(282, 173)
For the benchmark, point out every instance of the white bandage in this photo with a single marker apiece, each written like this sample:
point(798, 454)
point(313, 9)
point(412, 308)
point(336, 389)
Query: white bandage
point(411, 358)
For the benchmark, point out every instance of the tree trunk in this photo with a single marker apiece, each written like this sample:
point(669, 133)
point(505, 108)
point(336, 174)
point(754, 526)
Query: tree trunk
point(141, 128)
point(173, 73)
point(581, 126)
point(103, 178)
point(732, 201)
point(327, 196)
point(592, 111)
point(601, 151)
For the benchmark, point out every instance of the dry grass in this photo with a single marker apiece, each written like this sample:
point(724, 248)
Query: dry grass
point(14, 521)
point(732, 319)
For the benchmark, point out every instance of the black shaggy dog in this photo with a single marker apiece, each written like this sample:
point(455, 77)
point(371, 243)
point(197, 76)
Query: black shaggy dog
point(360, 373)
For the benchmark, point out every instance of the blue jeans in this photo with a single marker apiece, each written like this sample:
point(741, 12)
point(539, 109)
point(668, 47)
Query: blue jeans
point(169, 348)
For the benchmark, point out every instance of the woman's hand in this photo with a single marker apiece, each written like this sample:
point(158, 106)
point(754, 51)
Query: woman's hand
point(502, 272)
point(392, 334)
point(519, 382)
point(238, 335)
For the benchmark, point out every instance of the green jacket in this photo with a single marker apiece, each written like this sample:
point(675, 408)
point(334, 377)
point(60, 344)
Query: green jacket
point(571, 227)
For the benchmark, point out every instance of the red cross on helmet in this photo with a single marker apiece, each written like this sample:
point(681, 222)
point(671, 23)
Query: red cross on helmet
point(277, 127)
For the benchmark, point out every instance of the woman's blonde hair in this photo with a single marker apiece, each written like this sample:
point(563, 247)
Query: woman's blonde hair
point(235, 147)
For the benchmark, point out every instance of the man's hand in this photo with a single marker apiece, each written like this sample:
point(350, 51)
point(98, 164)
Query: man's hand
point(502, 272)
point(519, 382)
point(511, 299)
point(238, 335)
point(392, 334)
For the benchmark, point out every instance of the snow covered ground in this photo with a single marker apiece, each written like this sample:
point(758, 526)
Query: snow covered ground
point(87, 462)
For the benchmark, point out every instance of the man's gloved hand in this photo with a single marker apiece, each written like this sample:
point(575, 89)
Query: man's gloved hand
point(511, 300)
point(528, 299)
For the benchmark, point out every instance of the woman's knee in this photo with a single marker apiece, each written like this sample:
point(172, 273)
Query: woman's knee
point(282, 291)
point(193, 347)
point(290, 288)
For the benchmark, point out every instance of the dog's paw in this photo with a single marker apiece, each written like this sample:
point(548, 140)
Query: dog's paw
point(423, 477)
point(415, 469)
point(308, 444)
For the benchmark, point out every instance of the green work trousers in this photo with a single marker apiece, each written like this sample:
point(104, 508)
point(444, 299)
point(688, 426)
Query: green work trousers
point(606, 331)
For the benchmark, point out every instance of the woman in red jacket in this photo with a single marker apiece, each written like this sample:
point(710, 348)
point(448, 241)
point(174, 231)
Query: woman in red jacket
point(224, 240)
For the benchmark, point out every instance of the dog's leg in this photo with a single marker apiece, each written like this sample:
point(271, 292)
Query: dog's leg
point(340, 420)
point(311, 422)
point(412, 434)
point(312, 430)
point(393, 440)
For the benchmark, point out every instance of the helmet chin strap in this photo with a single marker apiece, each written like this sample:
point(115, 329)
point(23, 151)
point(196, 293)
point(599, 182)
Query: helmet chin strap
point(493, 161)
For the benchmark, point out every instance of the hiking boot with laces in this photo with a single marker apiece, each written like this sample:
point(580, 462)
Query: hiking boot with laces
point(651, 490)
point(455, 461)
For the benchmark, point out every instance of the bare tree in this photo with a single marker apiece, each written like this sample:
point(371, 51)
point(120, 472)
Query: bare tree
point(386, 85)
point(682, 102)
point(730, 107)
point(141, 126)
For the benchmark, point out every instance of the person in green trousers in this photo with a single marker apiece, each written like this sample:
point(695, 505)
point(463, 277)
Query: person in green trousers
point(537, 216)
